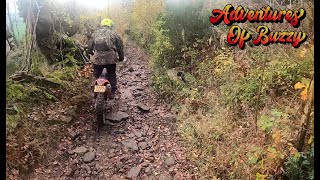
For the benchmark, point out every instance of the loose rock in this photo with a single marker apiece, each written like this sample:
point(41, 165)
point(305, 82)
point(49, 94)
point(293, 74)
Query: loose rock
point(143, 145)
point(130, 143)
point(165, 177)
point(126, 94)
point(117, 117)
point(138, 134)
point(89, 157)
point(131, 135)
point(80, 150)
point(169, 161)
point(66, 119)
point(134, 172)
point(147, 170)
point(74, 135)
point(143, 107)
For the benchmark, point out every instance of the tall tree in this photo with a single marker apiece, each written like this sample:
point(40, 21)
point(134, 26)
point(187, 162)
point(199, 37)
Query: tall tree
point(10, 28)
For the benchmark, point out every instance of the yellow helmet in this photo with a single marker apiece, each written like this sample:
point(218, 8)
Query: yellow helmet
point(106, 22)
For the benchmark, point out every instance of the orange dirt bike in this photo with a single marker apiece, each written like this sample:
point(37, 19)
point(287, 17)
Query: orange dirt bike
point(101, 90)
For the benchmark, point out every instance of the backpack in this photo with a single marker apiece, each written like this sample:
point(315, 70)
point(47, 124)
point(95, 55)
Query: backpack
point(103, 40)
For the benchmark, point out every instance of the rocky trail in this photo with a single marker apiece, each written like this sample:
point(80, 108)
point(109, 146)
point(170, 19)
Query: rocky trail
point(139, 141)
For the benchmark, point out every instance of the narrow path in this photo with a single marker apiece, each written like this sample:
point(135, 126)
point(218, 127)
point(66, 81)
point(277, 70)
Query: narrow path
point(142, 145)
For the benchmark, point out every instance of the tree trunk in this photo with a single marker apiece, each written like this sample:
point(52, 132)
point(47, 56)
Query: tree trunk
point(31, 30)
point(306, 118)
point(8, 38)
point(16, 42)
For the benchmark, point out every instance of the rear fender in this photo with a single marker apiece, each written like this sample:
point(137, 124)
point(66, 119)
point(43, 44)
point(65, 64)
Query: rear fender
point(101, 82)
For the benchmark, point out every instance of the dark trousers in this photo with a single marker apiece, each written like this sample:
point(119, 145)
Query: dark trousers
point(111, 74)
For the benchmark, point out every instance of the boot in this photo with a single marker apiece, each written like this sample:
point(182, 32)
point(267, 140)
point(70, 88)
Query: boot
point(93, 80)
point(92, 86)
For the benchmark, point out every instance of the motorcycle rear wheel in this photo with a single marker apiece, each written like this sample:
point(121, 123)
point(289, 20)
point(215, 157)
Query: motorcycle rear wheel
point(100, 109)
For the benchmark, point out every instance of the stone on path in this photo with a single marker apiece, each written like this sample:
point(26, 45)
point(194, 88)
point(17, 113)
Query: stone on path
point(143, 145)
point(80, 150)
point(117, 117)
point(126, 94)
point(66, 119)
point(169, 161)
point(148, 169)
point(89, 157)
point(143, 107)
point(74, 135)
point(134, 172)
point(61, 119)
point(138, 134)
point(131, 135)
point(130, 143)
point(165, 176)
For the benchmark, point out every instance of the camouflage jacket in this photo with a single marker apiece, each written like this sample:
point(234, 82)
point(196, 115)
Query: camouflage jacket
point(110, 56)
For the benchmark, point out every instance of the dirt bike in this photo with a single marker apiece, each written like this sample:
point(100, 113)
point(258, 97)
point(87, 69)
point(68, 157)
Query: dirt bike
point(102, 89)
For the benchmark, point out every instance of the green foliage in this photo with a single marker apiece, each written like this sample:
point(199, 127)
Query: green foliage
point(254, 156)
point(186, 22)
point(162, 45)
point(279, 75)
point(15, 92)
point(241, 91)
point(67, 53)
point(272, 120)
point(23, 97)
point(63, 74)
point(249, 90)
point(143, 17)
point(165, 86)
point(300, 165)
point(182, 24)
point(25, 93)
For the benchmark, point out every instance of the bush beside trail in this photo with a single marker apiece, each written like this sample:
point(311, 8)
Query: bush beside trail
point(224, 97)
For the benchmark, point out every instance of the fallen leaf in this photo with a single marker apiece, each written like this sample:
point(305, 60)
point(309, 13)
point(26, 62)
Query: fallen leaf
point(260, 176)
point(299, 85)
point(304, 94)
